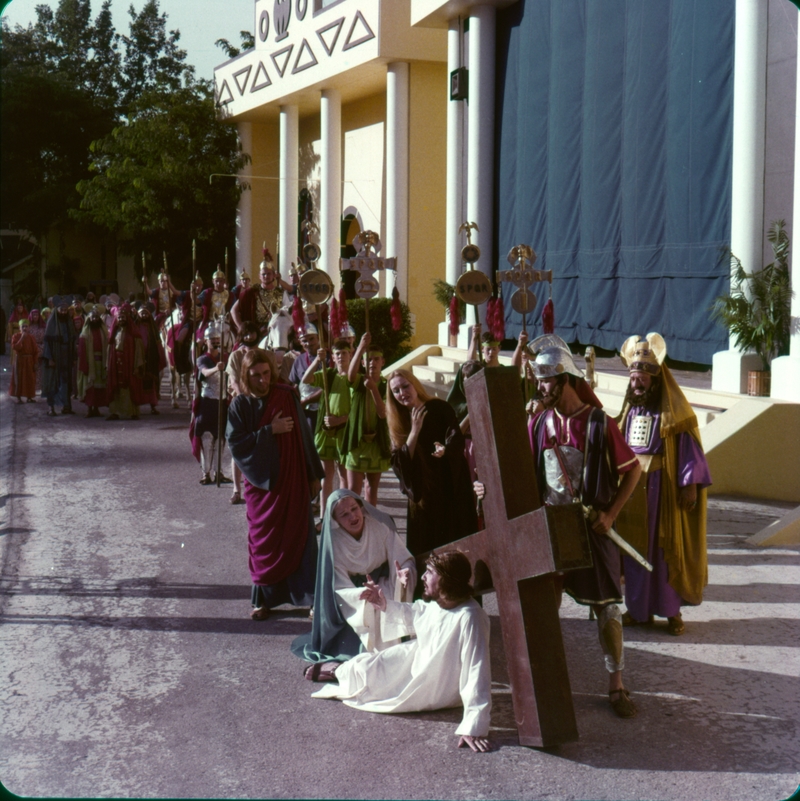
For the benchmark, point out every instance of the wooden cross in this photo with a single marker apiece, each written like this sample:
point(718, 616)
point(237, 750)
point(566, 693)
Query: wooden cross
point(516, 555)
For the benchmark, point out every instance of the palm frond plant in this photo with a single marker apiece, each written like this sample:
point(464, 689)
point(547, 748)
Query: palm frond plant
point(756, 312)
point(443, 292)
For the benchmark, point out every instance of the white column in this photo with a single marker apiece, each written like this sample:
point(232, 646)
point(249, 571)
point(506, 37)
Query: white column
point(785, 381)
point(455, 143)
point(396, 240)
point(455, 183)
point(244, 211)
point(287, 226)
point(330, 191)
point(747, 199)
point(480, 153)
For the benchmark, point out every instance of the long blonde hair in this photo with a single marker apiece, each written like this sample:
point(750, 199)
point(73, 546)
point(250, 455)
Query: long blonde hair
point(398, 416)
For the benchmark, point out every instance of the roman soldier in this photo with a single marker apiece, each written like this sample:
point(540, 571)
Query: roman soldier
point(242, 286)
point(163, 298)
point(215, 302)
point(204, 430)
point(259, 303)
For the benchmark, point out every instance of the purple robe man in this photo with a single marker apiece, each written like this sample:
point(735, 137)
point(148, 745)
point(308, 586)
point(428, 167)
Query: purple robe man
point(661, 428)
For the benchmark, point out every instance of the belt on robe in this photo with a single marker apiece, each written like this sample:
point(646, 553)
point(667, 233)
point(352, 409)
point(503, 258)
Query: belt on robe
point(360, 579)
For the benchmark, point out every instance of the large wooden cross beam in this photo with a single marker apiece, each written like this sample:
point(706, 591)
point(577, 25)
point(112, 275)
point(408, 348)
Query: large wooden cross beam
point(516, 555)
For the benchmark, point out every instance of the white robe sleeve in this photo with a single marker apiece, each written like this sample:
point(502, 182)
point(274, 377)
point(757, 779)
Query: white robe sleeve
point(475, 682)
point(398, 619)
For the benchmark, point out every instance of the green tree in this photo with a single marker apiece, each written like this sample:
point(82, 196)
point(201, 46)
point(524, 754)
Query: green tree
point(152, 181)
point(153, 59)
point(231, 51)
point(47, 122)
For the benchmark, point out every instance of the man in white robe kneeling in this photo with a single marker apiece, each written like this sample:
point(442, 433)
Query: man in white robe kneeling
point(446, 665)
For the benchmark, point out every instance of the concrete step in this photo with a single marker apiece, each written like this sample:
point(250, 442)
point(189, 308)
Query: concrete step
point(444, 364)
point(430, 375)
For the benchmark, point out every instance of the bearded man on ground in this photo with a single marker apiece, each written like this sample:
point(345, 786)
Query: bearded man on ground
point(446, 665)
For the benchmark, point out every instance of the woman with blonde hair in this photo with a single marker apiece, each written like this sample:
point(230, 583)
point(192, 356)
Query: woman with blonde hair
point(428, 459)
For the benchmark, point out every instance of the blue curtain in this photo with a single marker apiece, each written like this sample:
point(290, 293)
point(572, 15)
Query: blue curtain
point(613, 143)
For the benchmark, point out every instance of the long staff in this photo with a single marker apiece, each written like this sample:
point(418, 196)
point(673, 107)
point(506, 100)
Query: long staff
point(221, 412)
point(324, 366)
point(194, 309)
point(368, 434)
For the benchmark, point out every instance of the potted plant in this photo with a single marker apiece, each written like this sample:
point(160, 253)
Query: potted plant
point(757, 309)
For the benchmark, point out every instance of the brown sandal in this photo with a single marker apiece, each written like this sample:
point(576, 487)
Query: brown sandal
point(623, 706)
point(675, 625)
point(261, 613)
point(629, 620)
point(321, 671)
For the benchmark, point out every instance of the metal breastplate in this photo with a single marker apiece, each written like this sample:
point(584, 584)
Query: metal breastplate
point(268, 301)
point(558, 492)
point(640, 430)
point(219, 301)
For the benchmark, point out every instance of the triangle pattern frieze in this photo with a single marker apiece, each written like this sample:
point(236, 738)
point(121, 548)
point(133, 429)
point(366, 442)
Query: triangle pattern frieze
point(329, 35)
point(224, 96)
point(286, 53)
point(310, 59)
point(262, 79)
point(241, 77)
point(364, 34)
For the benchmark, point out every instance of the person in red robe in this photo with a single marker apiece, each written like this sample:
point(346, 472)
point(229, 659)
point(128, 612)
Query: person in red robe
point(93, 361)
point(23, 373)
point(273, 447)
point(20, 312)
point(125, 366)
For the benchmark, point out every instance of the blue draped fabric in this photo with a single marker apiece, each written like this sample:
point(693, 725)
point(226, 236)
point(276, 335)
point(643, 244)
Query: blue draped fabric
point(613, 142)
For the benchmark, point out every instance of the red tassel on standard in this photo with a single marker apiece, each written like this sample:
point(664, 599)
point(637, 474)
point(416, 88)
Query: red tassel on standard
point(455, 319)
point(395, 311)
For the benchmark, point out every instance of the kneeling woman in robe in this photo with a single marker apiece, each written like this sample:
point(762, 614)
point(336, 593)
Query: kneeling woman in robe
point(272, 445)
point(357, 541)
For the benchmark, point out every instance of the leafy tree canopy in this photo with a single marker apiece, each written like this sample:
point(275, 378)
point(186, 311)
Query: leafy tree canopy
point(159, 175)
point(89, 115)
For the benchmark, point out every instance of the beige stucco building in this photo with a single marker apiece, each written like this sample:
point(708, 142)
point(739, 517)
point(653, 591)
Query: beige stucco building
point(343, 108)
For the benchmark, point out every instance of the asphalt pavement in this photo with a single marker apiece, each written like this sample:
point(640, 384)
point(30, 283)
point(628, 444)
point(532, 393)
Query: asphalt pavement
point(129, 666)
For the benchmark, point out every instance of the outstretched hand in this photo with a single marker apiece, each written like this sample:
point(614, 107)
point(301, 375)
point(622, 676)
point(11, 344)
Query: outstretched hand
point(373, 594)
point(281, 424)
point(475, 743)
point(438, 450)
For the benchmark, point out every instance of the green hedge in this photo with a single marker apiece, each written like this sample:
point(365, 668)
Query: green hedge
point(396, 344)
